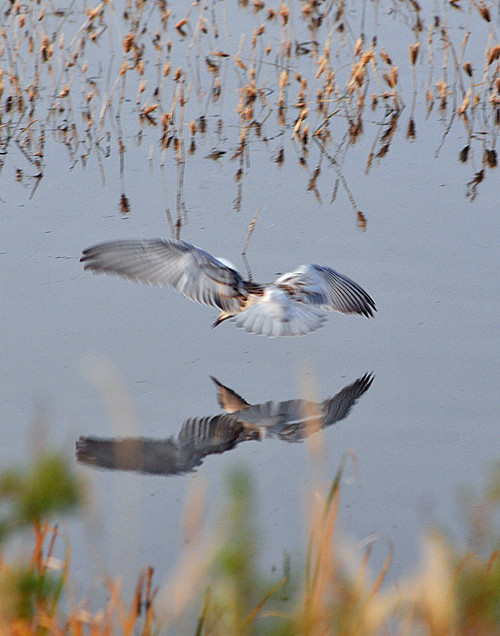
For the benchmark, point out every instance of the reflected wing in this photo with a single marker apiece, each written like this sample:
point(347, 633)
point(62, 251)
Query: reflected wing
point(338, 407)
point(229, 400)
point(197, 438)
point(293, 420)
point(143, 455)
point(327, 288)
point(177, 264)
point(216, 434)
point(276, 313)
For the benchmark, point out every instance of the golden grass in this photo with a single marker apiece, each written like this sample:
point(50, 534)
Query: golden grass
point(217, 588)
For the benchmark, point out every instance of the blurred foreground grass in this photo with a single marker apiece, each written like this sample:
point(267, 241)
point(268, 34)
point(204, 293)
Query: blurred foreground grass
point(218, 588)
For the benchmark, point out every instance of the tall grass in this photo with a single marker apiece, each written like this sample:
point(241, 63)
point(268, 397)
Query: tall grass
point(452, 591)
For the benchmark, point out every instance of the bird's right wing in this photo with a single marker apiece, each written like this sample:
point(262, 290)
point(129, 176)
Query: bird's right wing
point(275, 313)
point(338, 407)
point(326, 288)
point(186, 268)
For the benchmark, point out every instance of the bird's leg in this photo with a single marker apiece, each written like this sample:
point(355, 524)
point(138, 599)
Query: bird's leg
point(247, 265)
point(249, 236)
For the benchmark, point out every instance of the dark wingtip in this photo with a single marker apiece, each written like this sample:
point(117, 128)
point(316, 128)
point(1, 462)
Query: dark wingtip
point(220, 319)
point(86, 255)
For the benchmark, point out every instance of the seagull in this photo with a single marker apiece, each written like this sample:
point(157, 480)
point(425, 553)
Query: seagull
point(295, 304)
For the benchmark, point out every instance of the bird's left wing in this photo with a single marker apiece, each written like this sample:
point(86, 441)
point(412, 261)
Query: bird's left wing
point(186, 268)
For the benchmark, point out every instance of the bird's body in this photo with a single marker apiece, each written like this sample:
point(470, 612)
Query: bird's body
point(294, 304)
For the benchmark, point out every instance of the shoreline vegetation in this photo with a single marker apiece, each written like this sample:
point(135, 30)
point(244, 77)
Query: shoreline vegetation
point(218, 588)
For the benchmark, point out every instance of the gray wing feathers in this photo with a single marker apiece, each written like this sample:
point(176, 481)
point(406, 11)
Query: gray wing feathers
point(338, 407)
point(326, 288)
point(344, 294)
point(177, 264)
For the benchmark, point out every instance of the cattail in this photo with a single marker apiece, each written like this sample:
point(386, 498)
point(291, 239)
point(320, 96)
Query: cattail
point(284, 12)
point(179, 26)
point(327, 47)
point(128, 42)
point(283, 80)
point(392, 77)
point(443, 92)
point(149, 109)
point(464, 104)
point(361, 220)
point(483, 10)
point(238, 61)
point(490, 158)
point(212, 67)
point(414, 53)
point(385, 58)
point(124, 204)
point(411, 132)
point(468, 68)
point(464, 154)
point(494, 54)
point(46, 49)
point(321, 68)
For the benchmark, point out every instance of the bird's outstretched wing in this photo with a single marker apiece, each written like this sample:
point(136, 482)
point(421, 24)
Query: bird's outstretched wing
point(294, 420)
point(338, 407)
point(326, 288)
point(276, 313)
point(186, 268)
point(198, 437)
point(137, 454)
point(228, 399)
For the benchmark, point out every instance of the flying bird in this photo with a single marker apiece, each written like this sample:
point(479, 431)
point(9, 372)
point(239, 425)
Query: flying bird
point(295, 304)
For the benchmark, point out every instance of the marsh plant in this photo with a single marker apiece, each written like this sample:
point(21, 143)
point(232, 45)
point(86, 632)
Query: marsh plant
point(218, 587)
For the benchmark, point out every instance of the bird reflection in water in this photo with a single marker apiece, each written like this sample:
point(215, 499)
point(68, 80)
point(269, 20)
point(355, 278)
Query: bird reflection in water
point(291, 421)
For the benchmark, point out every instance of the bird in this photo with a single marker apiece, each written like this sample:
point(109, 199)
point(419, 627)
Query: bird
point(290, 421)
point(296, 303)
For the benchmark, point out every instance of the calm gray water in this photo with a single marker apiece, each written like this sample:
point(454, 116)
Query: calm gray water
point(429, 257)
